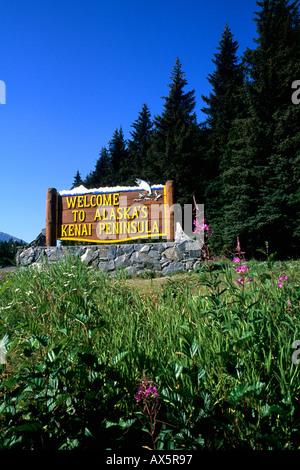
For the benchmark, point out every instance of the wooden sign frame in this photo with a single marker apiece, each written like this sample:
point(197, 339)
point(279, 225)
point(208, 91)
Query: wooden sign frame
point(110, 215)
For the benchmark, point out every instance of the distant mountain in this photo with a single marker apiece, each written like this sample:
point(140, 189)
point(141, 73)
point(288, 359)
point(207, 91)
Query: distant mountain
point(5, 237)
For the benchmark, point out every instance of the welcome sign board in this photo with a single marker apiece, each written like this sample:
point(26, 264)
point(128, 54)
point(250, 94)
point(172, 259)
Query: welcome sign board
point(109, 215)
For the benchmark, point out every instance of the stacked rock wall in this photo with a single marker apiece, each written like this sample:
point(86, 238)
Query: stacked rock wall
point(158, 258)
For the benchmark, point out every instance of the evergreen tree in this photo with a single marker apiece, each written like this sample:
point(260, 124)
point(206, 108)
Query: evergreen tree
point(139, 144)
point(225, 100)
point(225, 105)
point(268, 158)
point(118, 153)
point(102, 174)
point(175, 144)
point(77, 180)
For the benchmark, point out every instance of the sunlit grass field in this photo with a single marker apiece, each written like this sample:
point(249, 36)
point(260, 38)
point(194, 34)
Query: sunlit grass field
point(222, 354)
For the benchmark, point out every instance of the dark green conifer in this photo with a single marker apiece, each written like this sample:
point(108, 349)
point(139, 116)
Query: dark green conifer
point(101, 176)
point(77, 180)
point(271, 141)
point(139, 144)
point(225, 107)
point(118, 153)
point(175, 144)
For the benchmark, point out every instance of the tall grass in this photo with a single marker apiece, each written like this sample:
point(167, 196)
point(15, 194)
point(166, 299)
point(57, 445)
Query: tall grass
point(218, 352)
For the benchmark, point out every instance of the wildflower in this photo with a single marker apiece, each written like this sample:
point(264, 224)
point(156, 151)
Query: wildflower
point(147, 391)
point(201, 227)
point(290, 306)
point(148, 395)
point(281, 281)
point(241, 280)
point(241, 269)
point(236, 259)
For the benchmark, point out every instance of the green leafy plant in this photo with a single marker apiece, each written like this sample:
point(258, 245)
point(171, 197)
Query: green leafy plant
point(220, 356)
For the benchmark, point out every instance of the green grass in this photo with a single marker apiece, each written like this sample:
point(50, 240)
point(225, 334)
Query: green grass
point(220, 355)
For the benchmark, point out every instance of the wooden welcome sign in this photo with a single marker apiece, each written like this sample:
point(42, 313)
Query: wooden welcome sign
point(110, 215)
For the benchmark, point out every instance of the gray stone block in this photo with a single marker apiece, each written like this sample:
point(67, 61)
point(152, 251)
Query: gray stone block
point(154, 254)
point(111, 254)
point(172, 268)
point(122, 261)
point(131, 270)
point(173, 253)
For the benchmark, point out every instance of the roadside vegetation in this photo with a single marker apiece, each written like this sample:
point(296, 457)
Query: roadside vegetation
point(207, 360)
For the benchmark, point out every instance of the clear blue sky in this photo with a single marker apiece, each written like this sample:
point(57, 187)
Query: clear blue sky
point(76, 70)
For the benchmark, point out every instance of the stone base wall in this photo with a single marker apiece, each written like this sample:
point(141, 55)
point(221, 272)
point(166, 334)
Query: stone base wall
point(158, 258)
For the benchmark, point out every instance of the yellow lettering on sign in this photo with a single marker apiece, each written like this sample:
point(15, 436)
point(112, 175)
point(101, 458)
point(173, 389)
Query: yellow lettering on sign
point(71, 234)
point(71, 202)
point(63, 230)
point(133, 228)
point(77, 231)
point(85, 202)
point(108, 229)
point(120, 213)
point(155, 227)
point(112, 214)
point(144, 212)
point(97, 215)
point(101, 226)
point(135, 212)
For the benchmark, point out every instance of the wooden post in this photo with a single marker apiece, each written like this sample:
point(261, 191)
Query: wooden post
point(51, 217)
point(170, 199)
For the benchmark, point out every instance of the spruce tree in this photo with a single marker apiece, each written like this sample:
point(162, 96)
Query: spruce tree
point(225, 106)
point(101, 176)
point(118, 153)
point(225, 100)
point(174, 149)
point(77, 180)
point(139, 144)
point(273, 126)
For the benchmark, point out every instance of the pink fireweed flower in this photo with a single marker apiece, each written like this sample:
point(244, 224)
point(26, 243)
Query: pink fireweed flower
point(241, 269)
point(281, 281)
point(236, 259)
point(147, 391)
point(241, 280)
point(147, 399)
point(199, 227)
